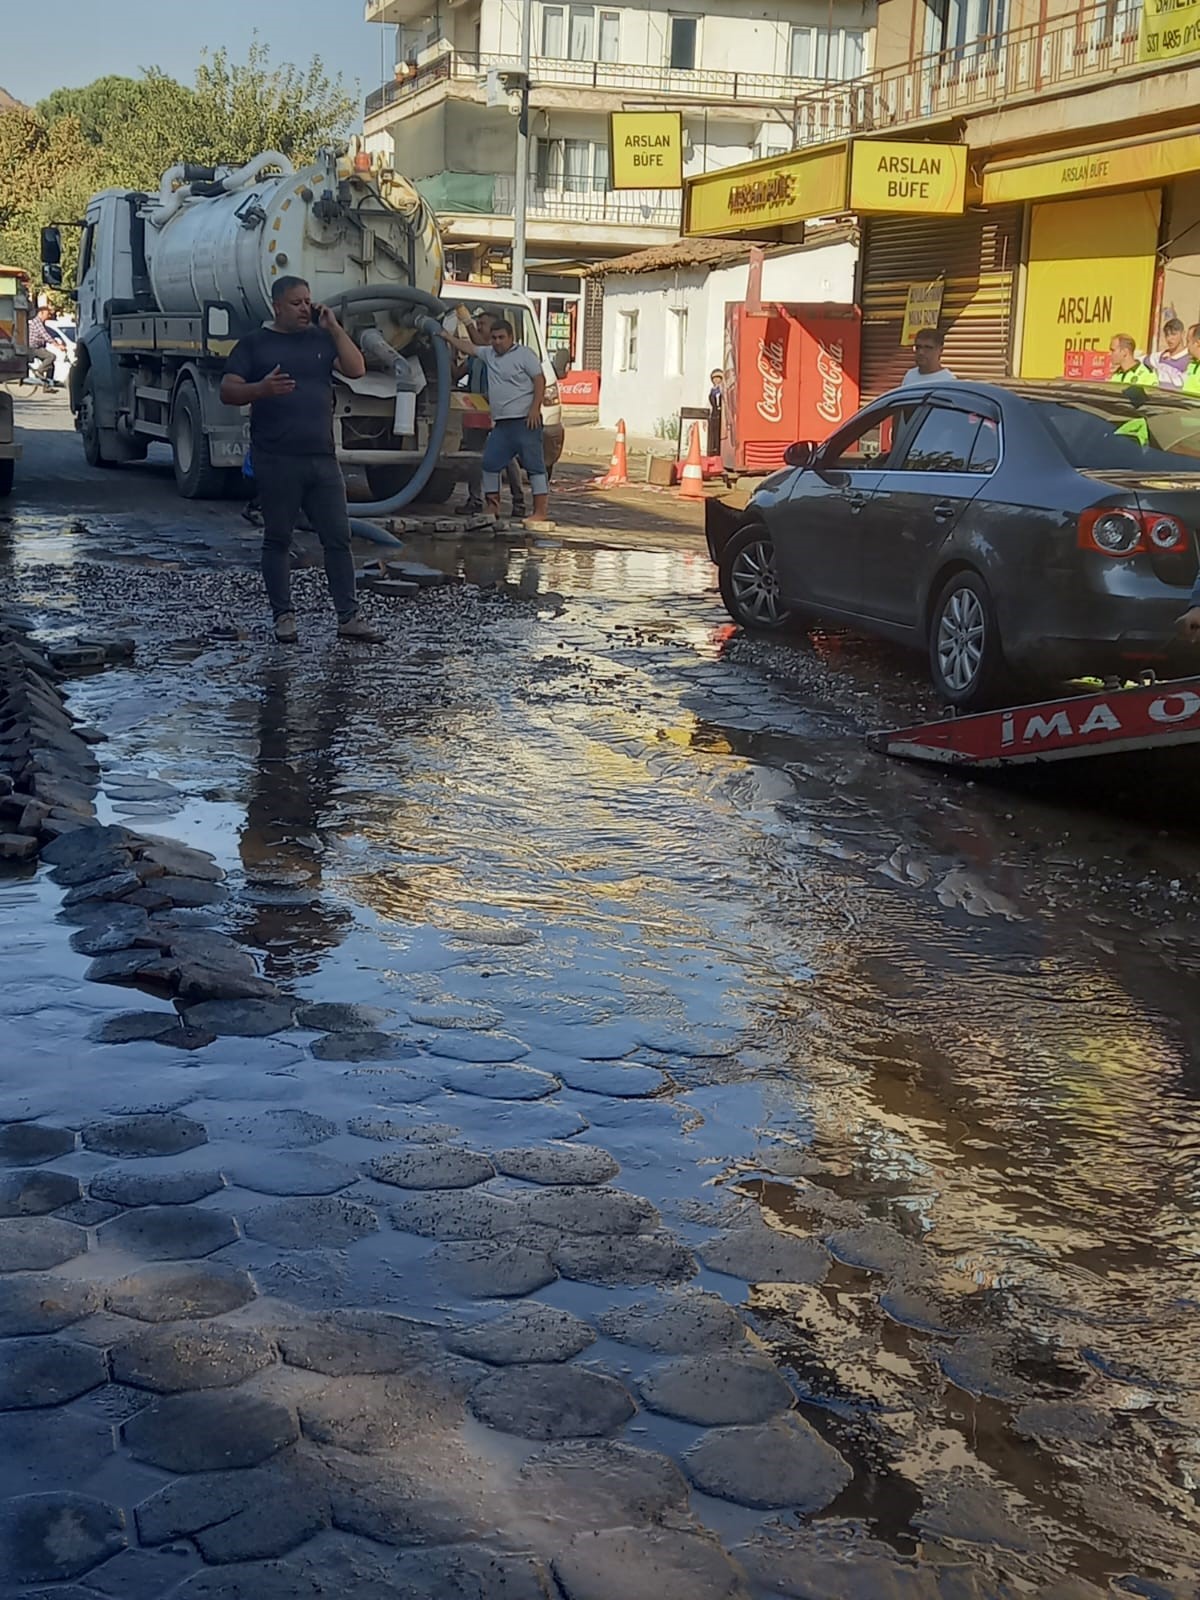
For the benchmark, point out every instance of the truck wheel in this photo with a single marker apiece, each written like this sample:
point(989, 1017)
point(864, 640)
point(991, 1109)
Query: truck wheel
point(195, 476)
point(7, 473)
point(385, 481)
point(89, 427)
point(440, 487)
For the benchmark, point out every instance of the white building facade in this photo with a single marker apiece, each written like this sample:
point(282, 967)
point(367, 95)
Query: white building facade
point(751, 80)
point(664, 325)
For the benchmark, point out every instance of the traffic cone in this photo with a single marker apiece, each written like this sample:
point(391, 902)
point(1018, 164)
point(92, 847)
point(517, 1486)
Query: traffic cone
point(691, 481)
point(618, 467)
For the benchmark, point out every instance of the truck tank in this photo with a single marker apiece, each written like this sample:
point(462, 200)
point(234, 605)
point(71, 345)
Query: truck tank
point(343, 222)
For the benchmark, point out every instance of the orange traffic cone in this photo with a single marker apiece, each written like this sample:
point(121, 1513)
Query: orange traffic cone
point(691, 481)
point(618, 467)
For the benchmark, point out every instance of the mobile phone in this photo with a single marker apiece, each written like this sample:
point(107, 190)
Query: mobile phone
point(316, 311)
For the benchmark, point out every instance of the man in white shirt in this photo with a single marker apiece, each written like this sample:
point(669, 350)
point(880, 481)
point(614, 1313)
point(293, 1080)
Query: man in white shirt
point(927, 351)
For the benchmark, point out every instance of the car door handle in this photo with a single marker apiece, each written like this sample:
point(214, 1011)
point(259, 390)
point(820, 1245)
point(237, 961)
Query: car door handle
point(856, 501)
point(944, 510)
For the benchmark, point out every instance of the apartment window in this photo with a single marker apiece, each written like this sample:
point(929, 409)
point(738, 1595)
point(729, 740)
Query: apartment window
point(627, 349)
point(963, 27)
point(609, 36)
point(683, 43)
point(571, 166)
point(553, 34)
point(676, 341)
point(827, 53)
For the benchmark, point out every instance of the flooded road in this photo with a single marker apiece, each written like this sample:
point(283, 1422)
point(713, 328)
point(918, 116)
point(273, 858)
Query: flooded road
point(898, 1067)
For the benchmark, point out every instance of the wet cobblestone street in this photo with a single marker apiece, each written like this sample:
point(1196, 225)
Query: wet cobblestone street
point(689, 1158)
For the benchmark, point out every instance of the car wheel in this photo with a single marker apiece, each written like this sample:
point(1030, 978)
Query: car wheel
point(195, 476)
point(749, 582)
point(89, 426)
point(966, 656)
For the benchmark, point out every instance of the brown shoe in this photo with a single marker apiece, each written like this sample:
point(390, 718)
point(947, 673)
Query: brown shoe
point(285, 628)
point(356, 628)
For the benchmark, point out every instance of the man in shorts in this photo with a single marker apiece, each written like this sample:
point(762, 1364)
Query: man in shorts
point(516, 386)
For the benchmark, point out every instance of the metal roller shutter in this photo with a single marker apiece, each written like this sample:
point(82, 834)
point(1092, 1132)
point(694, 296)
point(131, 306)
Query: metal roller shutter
point(978, 255)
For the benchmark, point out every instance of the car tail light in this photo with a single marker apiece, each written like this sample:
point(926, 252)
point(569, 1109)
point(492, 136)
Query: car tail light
point(1121, 531)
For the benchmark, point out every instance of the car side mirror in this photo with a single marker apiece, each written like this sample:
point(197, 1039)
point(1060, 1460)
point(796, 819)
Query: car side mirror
point(801, 454)
point(52, 258)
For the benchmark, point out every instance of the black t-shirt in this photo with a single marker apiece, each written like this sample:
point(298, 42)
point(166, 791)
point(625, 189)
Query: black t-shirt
point(300, 423)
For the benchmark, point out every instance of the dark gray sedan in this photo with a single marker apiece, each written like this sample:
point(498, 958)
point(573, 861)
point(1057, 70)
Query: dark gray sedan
point(1015, 531)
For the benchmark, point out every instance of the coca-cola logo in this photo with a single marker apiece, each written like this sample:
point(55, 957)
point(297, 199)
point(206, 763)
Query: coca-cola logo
point(770, 370)
point(831, 371)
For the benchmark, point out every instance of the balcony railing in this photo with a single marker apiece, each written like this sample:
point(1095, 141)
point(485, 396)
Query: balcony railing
point(650, 208)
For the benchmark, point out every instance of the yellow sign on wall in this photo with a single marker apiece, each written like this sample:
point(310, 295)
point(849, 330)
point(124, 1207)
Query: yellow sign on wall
point(914, 179)
point(1168, 28)
point(748, 200)
point(1084, 171)
point(645, 149)
point(922, 308)
point(1090, 276)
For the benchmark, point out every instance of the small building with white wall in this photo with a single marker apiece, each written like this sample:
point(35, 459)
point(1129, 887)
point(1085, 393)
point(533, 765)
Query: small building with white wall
point(664, 316)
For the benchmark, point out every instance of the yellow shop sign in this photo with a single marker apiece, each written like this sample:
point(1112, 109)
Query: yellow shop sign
point(750, 201)
point(1082, 172)
point(918, 180)
point(645, 149)
point(1168, 28)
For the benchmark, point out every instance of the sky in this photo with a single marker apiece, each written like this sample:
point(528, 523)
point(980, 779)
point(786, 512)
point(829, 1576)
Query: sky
point(87, 39)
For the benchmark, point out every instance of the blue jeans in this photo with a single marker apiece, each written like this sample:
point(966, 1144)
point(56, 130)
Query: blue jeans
point(512, 436)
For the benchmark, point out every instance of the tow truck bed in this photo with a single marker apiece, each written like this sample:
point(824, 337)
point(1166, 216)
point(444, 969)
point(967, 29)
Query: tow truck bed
point(1147, 716)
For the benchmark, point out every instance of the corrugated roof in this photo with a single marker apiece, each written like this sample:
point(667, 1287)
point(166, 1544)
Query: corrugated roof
point(710, 253)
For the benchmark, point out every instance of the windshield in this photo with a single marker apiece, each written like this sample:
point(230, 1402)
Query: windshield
point(1134, 430)
point(519, 318)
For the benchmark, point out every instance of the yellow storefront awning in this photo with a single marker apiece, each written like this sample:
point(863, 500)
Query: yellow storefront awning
point(1141, 163)
point(752, 201)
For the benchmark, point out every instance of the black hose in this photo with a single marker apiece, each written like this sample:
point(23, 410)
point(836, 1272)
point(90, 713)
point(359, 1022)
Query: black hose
point(380, 298)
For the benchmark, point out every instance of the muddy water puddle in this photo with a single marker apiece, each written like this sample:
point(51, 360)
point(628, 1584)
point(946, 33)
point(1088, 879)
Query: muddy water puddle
point(903, 1062)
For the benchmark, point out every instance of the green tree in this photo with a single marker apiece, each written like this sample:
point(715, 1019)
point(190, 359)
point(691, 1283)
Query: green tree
point(101, 108)
point(46, 175)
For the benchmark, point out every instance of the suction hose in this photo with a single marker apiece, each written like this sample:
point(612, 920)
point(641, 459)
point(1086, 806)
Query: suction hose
point(386, 297)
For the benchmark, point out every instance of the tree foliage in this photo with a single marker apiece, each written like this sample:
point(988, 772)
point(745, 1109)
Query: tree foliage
point(125, 132)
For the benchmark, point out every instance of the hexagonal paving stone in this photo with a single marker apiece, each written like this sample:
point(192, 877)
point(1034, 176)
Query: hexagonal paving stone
point(33, 1192)
point(170, 1233)
point(239, 1516)
point(775, 1464)
point(60, 1448)
point(169, 1360)
point(148, 1135)
point(47, 1372)
point(597, 1483)
point(597, 1210)
point(292, 1173)
point(45, 1538)
point(347, 1342)
point(33, 1303)
point(386, 1414)
point(457, 1214)
point(444, 1166)
point(625, 1081)
point(558, 1164)
point(169, 1294)
point(552, 1402)
point(312, 1223)
point(131, 1187)
point(286, 1128)
point(336, 1017)
point(717, 1389)
point(647, 1564)
point(469, 1570)
point(874, 1247)
point(241, 1019)
point(480, 1049)
point(399, 1508)
point(32, 1244)
point(25, 1144)
point(627, 1260)
point(209, 1431)
point(457, 1014)
point(356, 1570)
point(389, 1086)
point(364, 1044)
point(762, 1254)
point(487, 1270)
point(527, 1333)
point(502, 1083)
point(688, 1323)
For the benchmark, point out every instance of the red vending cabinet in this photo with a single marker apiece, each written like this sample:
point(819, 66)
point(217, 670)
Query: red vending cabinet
point(791, 372)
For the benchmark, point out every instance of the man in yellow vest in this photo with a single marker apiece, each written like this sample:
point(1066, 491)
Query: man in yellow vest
point(1126, 366)
point(1191, 373)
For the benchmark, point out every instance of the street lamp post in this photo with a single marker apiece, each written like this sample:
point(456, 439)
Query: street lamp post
point(522, 174)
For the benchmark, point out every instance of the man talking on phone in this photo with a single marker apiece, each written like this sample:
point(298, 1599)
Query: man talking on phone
point(284, 372)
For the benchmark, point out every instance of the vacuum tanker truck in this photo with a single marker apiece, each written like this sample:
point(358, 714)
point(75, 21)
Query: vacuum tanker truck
point(167, 283)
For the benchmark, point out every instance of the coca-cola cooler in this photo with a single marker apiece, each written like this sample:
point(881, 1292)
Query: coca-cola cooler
point(791, 372)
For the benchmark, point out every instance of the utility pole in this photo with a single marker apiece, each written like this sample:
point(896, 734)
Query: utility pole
point(522, 174)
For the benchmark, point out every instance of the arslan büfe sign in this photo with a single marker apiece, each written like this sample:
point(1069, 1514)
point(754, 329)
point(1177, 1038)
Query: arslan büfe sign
point(645, 149)
point(911, 179)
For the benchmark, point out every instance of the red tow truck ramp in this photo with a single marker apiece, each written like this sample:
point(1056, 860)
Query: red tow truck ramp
point(1147, 716)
